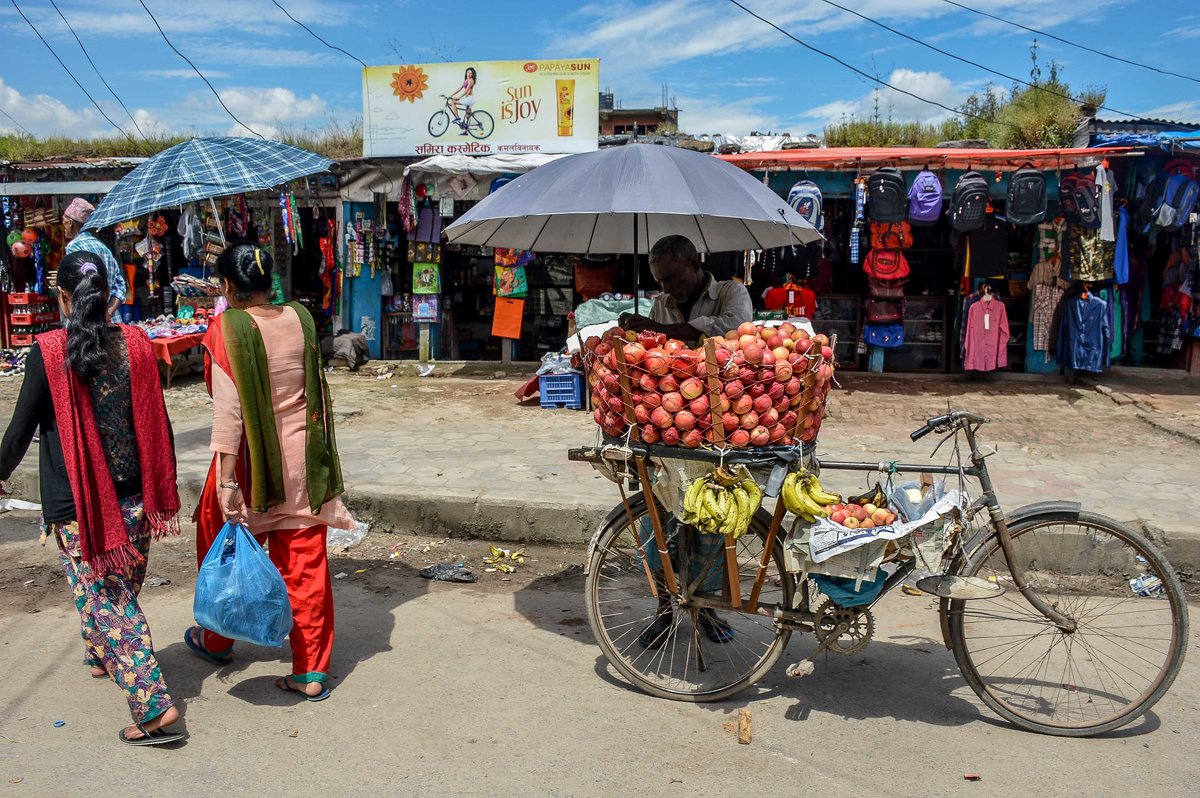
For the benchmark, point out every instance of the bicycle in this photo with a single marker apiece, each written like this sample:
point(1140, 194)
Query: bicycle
point(1071, 649)
point(477, 124)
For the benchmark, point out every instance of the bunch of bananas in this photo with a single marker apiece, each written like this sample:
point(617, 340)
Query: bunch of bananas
point(721, 504)
point(803, 495)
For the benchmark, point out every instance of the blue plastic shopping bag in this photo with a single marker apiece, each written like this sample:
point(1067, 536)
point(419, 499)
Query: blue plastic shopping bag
point(239, 592)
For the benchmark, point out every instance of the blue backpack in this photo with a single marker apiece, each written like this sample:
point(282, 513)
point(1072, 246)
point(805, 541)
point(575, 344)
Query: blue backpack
point(925, 199)
point(806, 199)
point(1177, 202)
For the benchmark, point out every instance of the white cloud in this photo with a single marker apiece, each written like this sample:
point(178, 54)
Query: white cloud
point(266, 110)
point(709, 115)
point(895, 104)
point(43, 114)
point(182, 74)
point(1183, 111)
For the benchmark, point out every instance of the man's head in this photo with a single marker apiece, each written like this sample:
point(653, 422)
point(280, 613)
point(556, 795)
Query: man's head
point(676, 267)
point(76, 216)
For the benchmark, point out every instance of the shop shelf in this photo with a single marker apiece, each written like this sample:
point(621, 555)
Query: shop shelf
point(561, 390)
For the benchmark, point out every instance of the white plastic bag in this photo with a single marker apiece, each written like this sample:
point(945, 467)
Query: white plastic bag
point(345, 538)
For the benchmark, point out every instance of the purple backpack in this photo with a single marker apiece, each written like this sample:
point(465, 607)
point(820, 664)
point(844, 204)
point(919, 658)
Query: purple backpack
point(925, 199)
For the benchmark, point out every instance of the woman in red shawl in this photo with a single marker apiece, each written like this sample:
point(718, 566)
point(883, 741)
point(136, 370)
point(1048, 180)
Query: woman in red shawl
point(275, 465)
point(94, 388)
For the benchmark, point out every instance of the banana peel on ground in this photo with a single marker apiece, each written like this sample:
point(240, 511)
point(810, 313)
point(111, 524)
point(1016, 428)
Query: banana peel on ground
point(503, 560)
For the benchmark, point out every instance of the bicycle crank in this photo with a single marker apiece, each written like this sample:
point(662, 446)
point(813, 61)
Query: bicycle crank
point(843, 630)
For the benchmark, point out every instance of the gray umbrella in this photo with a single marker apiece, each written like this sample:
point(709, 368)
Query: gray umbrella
point(622, 199)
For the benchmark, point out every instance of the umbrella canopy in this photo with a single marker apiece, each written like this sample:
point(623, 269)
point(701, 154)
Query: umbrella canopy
point(202, 169)
point(622, 199)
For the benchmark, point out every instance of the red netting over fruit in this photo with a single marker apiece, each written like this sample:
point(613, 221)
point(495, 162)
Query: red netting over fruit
point(756, 386)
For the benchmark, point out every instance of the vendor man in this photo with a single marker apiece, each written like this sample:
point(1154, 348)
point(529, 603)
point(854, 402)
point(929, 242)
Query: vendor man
point(80, 240)
point(693, 302)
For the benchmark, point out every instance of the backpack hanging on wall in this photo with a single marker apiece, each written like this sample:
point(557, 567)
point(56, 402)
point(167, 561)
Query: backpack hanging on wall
point(887, 200)
point(968, 206)
point(1026, 196)
point(886, 264)
point(805, 198)
point(1178, 199)
point(925, 199)
point(891, 235)
point(1078, 200)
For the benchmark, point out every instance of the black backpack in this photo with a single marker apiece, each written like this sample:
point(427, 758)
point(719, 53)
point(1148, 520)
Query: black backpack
point(887, 197)
point(968, 208)
point(1026, 196)
point(1078, 201)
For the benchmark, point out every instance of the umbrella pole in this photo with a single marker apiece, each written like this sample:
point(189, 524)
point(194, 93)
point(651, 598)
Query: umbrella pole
point(637, 269)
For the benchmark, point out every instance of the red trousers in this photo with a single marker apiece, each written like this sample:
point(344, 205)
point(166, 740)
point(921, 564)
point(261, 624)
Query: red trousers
point(300, 556)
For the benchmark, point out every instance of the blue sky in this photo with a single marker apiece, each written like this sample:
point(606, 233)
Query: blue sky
point(727, 72)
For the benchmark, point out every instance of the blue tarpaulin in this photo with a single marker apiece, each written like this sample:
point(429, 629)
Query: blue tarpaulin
point(1168, 140)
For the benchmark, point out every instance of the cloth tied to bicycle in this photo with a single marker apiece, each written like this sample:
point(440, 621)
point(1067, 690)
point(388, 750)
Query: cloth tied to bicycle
point(827, 539)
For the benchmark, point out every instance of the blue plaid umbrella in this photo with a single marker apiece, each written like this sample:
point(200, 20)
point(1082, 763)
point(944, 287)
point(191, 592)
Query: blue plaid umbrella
point(202, 169)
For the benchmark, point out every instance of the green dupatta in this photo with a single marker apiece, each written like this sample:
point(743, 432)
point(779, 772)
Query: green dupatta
point(251, 374)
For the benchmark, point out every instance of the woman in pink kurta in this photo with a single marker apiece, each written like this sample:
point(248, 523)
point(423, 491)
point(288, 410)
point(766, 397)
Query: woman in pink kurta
point(292, 528)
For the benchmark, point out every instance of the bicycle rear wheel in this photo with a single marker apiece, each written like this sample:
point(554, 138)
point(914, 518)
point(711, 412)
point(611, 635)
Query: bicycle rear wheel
point(481, 125)
point(439, 123)
point(1121, 658)
point(688, 665)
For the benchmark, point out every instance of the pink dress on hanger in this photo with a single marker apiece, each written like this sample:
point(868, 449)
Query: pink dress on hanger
point(987, 336)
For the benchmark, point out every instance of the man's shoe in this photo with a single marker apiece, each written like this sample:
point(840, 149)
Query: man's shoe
point(654, 635)
point(716, 629)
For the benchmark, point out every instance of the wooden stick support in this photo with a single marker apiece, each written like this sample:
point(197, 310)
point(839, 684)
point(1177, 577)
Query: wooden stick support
point(660, 537)
point(714, 393)
point(637, 535)
point(768, 547)
point(627, 394)
point(733, 572)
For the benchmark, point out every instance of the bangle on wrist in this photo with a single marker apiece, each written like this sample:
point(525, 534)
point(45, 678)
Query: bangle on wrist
point(229, 485)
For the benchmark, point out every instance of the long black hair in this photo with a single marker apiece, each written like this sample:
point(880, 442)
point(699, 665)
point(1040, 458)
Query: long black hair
point(248, 267)
point(83, 276)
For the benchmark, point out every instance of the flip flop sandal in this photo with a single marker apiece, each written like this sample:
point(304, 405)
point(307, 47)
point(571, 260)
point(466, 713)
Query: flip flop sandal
point(156, 737)
point(716, 629)
point(98, 675)
point(283, 684)
point(656, 633)
point(201, 651)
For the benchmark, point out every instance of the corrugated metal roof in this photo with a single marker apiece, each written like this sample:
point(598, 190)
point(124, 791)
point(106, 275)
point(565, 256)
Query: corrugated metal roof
point(915, 158)
point(75, 163)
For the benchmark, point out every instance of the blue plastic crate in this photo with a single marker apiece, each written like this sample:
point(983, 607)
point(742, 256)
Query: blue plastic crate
point(561, 390)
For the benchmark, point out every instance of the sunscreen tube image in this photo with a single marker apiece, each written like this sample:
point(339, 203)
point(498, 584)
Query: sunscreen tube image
point(565, 94)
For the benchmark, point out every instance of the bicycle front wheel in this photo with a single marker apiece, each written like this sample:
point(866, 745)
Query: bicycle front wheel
point(481, 125)
point(683, 661)
point(439, 123)
point(1123, 654)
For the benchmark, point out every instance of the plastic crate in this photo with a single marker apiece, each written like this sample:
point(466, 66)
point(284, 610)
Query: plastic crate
point(27, 299)
point(21, 340)
point(561, 390)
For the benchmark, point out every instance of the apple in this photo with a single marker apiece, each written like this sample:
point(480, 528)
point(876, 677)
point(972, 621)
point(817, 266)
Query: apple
point(747, 341)
point(672, 347)
point(839, 517)
point(747, 375)
point(657, 362)
point(808, 436)
point(826, 353)
point(851, 522)
point(753, 353)
point(775, 341)
point(634, 353)
point(724, 404)
point(749, 420)
point(820, 339)
point(757, 390)
point(652, 400)
point(748, 328)
point(793, 387)
point(603, 348)
point(704, 422)
point(723, 357)
point(762, 404)
point(891, 518)
point(616, 406)
point(870, 508)
point(650, 434)
point(783, 371)
point(768, 358)
point(730, 422)
point(776, 391)
point(778, 433)
point(684, 420)
point(760, 436)
point(591, 343)
point(788, 420)
point(743, 405)
point(700, 407)
point(867, 524)
point(661, 418)
point(648, 382)
point(861, 514)
point(781, 405)
point(734, 389)
point(668, 384)
point(671, 436)
point(880, 517)
point(769, 418)
point(802, 346)
point(691, 388)
point(598, 415)
point(684, 365)
point(641, 414)
point(693, 438)
point(739, 439)
point(781, 353)
point(672, 402)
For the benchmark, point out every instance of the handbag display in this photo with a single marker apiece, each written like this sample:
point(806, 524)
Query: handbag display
point(886, 289)
point(886, 264)
point(887, 336)
point(884, 311)
point(891, 235)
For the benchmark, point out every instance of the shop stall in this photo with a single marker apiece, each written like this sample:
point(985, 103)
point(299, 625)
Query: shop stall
point(948, 260)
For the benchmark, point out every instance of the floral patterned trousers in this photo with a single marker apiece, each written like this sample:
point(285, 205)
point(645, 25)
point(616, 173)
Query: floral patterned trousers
point(116, 635)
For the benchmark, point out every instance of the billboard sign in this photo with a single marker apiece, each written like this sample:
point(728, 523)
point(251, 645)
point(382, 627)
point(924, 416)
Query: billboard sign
point(481, 108)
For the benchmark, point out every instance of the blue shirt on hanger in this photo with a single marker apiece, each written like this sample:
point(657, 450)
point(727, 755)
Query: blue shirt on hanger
point(1085, 339)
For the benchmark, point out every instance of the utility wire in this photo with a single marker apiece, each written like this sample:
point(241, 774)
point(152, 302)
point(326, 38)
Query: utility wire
point(72, 74)
point(975, 64)
point(1069, 42)
point(318, 38)
point(198, 72)
point(870, 77)
point(20, 127)
point(97, 70)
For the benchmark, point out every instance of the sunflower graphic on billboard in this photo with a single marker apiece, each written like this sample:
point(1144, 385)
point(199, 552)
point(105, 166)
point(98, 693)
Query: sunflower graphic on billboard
point(410, 83)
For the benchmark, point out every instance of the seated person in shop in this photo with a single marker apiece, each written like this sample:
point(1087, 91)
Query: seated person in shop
point(79, 240)
point(693, 303)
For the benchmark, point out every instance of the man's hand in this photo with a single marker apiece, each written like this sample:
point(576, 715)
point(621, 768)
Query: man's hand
point(637, 322)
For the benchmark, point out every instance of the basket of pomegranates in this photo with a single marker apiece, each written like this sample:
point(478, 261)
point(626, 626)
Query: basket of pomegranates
point(754, 387)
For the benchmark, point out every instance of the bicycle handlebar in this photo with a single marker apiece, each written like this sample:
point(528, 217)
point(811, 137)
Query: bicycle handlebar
point(952, 418)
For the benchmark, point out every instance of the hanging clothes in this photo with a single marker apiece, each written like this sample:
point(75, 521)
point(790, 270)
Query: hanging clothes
point(1090, 257)
point(1121, 255)
point(1085, 337)
point(987, 336)
point(989, 249)
point(1048, 245)
point(1116, 321)
point(1104, 188)
point(1045, 299)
